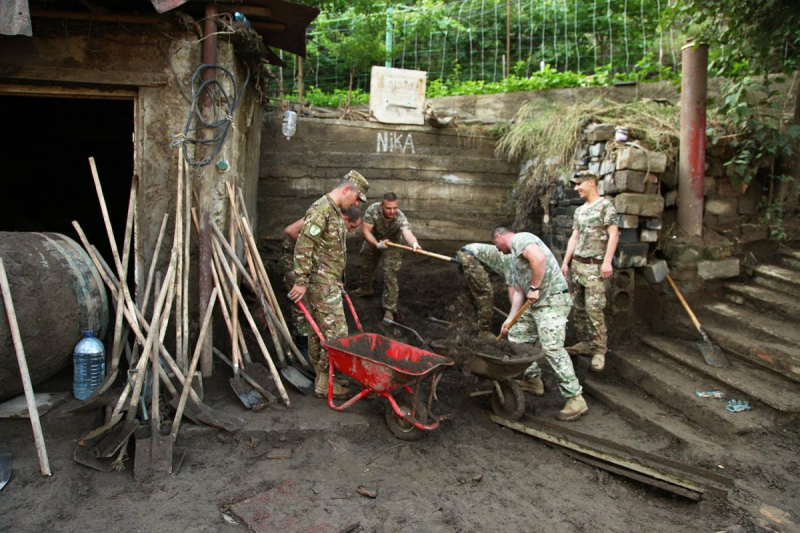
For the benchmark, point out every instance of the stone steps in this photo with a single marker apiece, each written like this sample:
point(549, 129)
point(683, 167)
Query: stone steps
point(676, 386)
point(790, 258)
point(778, 278)
point(741, 379)
point(646, 412)
point(764, 299)
point(760, 325)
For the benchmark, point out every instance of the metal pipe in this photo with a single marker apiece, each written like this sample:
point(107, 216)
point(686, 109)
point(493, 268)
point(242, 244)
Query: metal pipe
point(691, 179)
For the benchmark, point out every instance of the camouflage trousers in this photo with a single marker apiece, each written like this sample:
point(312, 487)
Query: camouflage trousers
point(480, 288)
point(370, 256)
point(588, 291)
point(286, 264)
point(324, 302)
point(548, 324)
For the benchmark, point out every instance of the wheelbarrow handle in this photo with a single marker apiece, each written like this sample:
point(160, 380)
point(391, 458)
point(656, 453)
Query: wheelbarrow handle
point(352, 311)
point(310, 319)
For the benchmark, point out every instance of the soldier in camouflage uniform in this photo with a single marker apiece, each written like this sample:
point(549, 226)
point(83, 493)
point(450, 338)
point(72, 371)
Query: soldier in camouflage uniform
point(537, 277)
point(352, 220)
point(595, 234)
point(475, 260)
point(319, 258)
point(384, 221)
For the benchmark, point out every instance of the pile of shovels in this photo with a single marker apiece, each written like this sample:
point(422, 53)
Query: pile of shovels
point(151, 366)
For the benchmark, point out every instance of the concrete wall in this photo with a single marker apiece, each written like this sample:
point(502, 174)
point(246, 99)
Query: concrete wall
point(450, 184)
point(153, 66)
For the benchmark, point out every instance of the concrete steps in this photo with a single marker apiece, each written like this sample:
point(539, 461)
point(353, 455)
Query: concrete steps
point(778, 278)
point(741, 379)
point(676, 386)
point(649, 414)
point(790, 258)
point(759, 325)
point(764, 299)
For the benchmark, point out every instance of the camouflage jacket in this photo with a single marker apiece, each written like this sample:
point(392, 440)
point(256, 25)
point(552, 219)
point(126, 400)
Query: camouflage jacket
point(553, 281)
point(591, 222)
point(386, 229)
point(492, 259)
point(319, 254)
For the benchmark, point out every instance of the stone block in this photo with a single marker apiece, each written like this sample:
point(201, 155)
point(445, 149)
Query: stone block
point(628, 221)
point(648, 235)
point(651, 188)
point(595, 167)
point(629, 180)
point(635, 159)
point(651, 223)
point(647, 205)
point(599, 132)
point(629, 255)
point(671, 198)
point(656, 272)
point(722, 206)
point(565, 211)
point(608, 184)
point(607, 167)
point(752, 233)
point(725, 268)
point(621, 290)
point(601, 188)
point(684, 272)
point(670, 176)
point(680, 253)
point(628, 235)
point(709, 186)
point(597, 149)
point(726, 188)
point(595, 159)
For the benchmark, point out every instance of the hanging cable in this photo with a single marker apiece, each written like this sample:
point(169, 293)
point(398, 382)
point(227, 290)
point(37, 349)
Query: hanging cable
point(220, 127)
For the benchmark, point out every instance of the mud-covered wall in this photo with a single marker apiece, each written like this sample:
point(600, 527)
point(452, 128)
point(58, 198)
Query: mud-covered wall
point(449, 182)
point(153, 65)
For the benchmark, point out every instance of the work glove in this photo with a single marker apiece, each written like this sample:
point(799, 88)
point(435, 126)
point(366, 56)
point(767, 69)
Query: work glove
point(382, 245)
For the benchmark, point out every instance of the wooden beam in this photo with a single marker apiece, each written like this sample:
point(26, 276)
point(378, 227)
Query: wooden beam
point(653, 466)
point(99, 17)
point(84, 76)
point(248, 11)
point(271, 26)
point(67, 92)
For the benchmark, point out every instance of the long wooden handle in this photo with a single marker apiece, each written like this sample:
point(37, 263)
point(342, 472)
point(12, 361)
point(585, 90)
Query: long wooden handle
point(683, 301)
point(423, 252)
point(522, 309)
point(30, 398)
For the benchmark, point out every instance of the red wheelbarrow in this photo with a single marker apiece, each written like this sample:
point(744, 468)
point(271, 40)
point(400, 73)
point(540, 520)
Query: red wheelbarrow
point(385, 367)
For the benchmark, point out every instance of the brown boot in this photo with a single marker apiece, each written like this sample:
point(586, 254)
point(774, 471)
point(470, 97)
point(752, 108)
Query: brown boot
point(533, 385)
point(598, 362)
point(361, 291)
point(574, 409)
point(321, 387)
point(581, 348)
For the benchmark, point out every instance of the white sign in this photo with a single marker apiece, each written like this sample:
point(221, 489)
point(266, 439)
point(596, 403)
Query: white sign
point(397, 96)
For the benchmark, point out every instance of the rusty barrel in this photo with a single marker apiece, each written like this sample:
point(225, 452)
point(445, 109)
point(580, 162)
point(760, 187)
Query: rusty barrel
point(57, 293)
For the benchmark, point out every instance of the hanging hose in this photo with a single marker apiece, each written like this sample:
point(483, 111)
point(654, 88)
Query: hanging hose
point(220, 127)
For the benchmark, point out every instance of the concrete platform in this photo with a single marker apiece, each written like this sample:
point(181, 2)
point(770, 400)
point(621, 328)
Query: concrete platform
point(778, 278)
point(759, 324)
point(766, 299)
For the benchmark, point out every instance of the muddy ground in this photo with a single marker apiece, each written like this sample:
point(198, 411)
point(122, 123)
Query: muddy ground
point(469, 475)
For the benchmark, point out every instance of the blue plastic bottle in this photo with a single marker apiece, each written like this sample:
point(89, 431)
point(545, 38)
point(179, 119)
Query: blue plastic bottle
point(89, 358)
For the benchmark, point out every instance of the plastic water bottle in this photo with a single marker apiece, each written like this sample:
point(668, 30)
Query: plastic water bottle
point(89, 358)
point(239, 17)
point(289, 124)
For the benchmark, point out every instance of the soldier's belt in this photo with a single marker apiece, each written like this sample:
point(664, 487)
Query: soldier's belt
point(587, 260)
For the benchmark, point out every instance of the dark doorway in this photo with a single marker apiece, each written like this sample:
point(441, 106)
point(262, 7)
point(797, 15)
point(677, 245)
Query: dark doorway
point(49, 183)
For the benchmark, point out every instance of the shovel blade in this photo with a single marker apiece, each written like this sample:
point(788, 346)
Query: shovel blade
point(297, 380)
point(5, 469)
point(161, 453)
point(249, 396)
point(211, 417)
point(712, 354)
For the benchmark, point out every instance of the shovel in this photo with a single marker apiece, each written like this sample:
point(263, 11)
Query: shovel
point(5, 469)
point(711, 352)
point(423, 252)
point(516, 317)
point(257, 397)
point(423, 341)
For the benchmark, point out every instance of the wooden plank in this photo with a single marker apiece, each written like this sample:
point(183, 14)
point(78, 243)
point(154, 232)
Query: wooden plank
point(100, 17)
point(18, 408)
point(660, 468)
point(76, 75)
point(67, 92)
point(692, 495)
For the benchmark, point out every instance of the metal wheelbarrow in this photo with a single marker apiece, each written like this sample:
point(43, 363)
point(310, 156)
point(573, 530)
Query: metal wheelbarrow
point(387, 368)
point(508, 399)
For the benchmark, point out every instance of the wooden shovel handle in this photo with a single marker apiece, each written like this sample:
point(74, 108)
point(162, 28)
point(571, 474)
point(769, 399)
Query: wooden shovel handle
point(423, 252)
point(683, 301)
point(522, 309)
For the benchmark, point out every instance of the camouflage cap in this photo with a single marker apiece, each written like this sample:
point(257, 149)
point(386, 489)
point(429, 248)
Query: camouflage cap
point(359, 182)
point(584, 175)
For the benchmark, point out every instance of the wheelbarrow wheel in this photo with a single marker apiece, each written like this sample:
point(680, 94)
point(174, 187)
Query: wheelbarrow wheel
point(403, 429)
point(513, 404)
